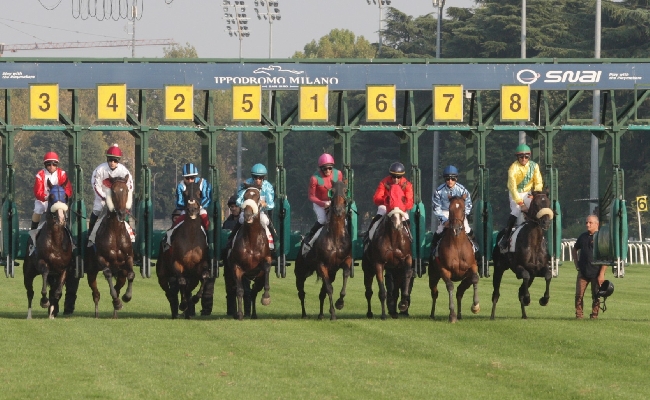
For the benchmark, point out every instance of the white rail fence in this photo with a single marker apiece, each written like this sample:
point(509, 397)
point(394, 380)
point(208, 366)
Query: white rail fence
point(637, 252)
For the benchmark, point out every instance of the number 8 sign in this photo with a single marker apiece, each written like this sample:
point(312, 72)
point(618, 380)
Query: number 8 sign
point(515, 103)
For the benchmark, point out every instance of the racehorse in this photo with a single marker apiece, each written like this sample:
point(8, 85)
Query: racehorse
point(455, 262)
point(530, 258)
point(389, 250)
point(250, 255)
point(52, 255)
point(185, 263)
point(112, 252)
point(331, 251)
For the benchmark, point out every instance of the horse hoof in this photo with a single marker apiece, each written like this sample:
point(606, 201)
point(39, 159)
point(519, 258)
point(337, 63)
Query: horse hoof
point(476, 309)
point(320, 317)
point(394, 315)
point(182, 306)
point(195, 299)
point(117, 305)
point(266, 301)
point(369, 315)
point(240, 316)
point(527, 300)
point(543, 301)
point(126, 298)
point(45, 303)
point(254, 316)
point(383, 317)
point(304, 316)
point(452, 320)
point(403, 306)
point(333, 317)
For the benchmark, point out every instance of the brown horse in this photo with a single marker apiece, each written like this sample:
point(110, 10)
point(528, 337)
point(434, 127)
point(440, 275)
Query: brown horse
point(112, 252)
point(530, 258)
point(185, 263)
point(250, 256)
point(53, 254)
point(389, 251)
point(332, 250)
point(455, 262)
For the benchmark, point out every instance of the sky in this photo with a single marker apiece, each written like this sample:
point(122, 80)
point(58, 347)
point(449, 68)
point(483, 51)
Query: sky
point(197, 22)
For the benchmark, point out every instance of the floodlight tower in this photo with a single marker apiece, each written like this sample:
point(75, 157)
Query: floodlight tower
point(381, 4)
point(236, 20)
point(272, 14)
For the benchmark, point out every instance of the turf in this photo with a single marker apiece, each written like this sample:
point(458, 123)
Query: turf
point(145, 354)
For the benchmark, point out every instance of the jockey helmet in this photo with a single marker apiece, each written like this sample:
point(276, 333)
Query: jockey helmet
point(397, 168)
point(606, 289)
point(50, 156)
point(258, 170)
point(114, 151)
point(450, 170)
point(522, 149)
point(190, 170)
point(325, 159)
point(232, 200)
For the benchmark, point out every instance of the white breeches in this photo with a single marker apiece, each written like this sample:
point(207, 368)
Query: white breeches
point(321, 215)
point(514, 207)
point(40, 207)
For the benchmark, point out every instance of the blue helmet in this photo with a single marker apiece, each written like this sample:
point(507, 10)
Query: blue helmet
point(450, 170)
point(190, 169)
point(259, 170)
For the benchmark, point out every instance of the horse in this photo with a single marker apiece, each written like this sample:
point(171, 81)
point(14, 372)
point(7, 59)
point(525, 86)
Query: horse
point(52, 256)
point(112, 252)
point(530, 258)
point(455, 262)
point(250, 255)
point(331, 251)
point(185, 263)
point(389, 251)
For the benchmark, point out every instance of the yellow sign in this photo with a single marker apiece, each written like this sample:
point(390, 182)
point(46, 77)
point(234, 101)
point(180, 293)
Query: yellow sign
point(246, 103)
point(380, 103)
point(642, 203)
point(515, 103)
point(111, 102)
point(313, 103)
point(448, 103)
point(179, 103)
point(44, 101)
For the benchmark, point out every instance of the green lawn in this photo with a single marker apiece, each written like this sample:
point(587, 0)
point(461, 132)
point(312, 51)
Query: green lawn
point(144, 354)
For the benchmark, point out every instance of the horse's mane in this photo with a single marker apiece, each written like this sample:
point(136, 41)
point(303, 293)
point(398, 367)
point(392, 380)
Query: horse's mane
point(339, 188)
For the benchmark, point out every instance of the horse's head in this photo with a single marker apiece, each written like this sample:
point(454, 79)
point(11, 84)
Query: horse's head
point(119, 197)
point(540, 209)
point(457, 213)
point(338, 199)
point(192, 197)
point(57, 203)
point(251, 204)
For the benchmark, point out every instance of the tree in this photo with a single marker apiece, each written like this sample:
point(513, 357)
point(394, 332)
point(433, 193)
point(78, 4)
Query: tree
point(339, 43)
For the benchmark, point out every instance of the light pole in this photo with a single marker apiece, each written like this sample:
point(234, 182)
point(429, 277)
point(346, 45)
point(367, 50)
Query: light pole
point(522, 134)
point(593, 173)
point(272, 14)
point(236, 20)
point(381, 4)
point(438, 4)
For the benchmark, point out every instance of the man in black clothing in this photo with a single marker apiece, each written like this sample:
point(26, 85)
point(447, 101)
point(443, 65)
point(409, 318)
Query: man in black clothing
point(587, 271)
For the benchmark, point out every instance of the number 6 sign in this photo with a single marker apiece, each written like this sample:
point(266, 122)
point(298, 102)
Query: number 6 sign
point(380, 103)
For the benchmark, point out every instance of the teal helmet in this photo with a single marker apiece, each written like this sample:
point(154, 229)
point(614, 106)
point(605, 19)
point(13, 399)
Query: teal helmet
point(258, 170)
point(522, 149)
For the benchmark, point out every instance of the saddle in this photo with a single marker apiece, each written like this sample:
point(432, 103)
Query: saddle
point(308, 245)
point(34, 233)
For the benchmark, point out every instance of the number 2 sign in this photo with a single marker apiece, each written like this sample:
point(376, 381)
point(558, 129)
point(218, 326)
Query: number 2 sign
point(179, 103)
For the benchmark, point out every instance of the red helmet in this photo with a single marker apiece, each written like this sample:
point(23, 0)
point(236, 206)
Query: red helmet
point(50, 156)
point(114, 151)
point(325, 159)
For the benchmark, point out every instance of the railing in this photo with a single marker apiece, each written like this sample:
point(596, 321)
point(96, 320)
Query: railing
point(637, 252)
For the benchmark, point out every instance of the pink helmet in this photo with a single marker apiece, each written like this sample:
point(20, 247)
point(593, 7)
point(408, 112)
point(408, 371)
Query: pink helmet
point(114, 151)
point(325, 159)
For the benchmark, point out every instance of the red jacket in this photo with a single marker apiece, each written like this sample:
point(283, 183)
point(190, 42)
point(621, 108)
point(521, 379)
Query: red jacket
point(319, 194)
point(59, 177)
point(381, 194)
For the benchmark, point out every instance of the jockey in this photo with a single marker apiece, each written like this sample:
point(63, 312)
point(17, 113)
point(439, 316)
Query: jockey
point(523, 177)
point(112, 168)
point(318, 193)
point(55, 176)
point(441, 198)
point(267, 200)
point(191, 174)
point(381, 196)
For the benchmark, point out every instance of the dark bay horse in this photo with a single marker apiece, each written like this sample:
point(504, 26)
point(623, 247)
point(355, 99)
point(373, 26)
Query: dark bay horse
point(389, 251)
point(112, 252)
point(331, 251)
point(53, 253)
point(185, 264)
point(455, 262)
point(531, 258)
point(250, 255)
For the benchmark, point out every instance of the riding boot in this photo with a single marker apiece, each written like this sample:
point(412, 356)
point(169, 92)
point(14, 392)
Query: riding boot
point(505, 241)
point(34, 225)
point(91, 225)
point(276, 239)
point(311, 233)
point(376, 218)
point(472, 240)
point(407, 225)
point(435, 240)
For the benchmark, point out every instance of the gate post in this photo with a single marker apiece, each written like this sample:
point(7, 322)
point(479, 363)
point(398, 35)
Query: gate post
point(9, 227)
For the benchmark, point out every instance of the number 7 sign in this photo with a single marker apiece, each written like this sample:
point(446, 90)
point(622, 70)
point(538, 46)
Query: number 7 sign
point(448, 103)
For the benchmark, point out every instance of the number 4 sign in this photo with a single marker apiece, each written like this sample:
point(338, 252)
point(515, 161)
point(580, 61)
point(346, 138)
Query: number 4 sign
point(111, 102)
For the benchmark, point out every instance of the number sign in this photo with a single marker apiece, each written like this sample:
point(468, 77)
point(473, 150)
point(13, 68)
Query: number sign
point(44, 101)
point(313, 103)
point(246, 103)
point(380, 103)
point(448, 103)
point(179, 103)
point(515, 103)
point(111, 102)
point(642, 203)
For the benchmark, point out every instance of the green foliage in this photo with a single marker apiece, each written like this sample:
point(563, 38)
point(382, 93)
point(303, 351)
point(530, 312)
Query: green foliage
point(178, 51)
point(339, 43)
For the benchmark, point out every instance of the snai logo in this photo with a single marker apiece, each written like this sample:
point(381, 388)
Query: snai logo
point(528, 76)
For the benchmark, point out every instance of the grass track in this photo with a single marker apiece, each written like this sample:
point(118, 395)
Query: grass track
point(144, 354)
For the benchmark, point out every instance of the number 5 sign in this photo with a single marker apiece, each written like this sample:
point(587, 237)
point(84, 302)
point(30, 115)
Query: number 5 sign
point(515, 103)
point(642, 203)
point(246, 103)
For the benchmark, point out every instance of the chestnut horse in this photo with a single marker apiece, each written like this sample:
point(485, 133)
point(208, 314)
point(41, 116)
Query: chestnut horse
point(389, 250)
point(112, 252)
point(250, 255)
point(185, 263)
point(331, 251)
point(455, 262)
point(530, 258)
point(52, 255)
